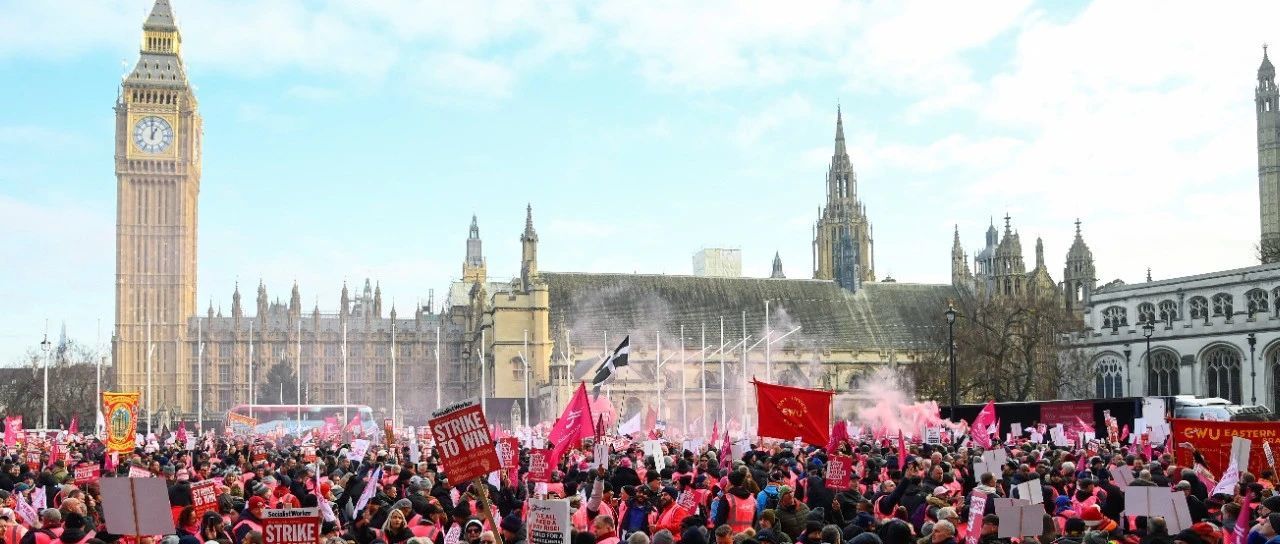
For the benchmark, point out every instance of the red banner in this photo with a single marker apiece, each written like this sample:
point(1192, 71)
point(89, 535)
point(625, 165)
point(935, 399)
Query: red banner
point(787, 412)
point(204, 497)
point(463, 440)
point(839, 469)
point(1213, 440)
point(539, 466)
point(509, 457)
point(1067, 413)
point(85, 473)
point(573, 426)
point(291, 526)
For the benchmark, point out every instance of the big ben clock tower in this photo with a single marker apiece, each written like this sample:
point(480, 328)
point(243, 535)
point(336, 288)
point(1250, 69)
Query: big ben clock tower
point(157, 163)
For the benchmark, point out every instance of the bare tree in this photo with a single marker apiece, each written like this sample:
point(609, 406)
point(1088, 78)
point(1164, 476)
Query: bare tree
point(1007, 348)
point(73, 378)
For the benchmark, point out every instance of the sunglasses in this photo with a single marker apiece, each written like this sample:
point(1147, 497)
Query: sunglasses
point(473, 530)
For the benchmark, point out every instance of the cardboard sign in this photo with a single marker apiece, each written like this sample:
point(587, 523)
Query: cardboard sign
point(1266, 450)
point(359, 447)
point(839, 469)
point(977, 503)
point(258, 452)
point(548, 522)
point(1240, 448)
point(85, 473)
point(1015, 429)
point(309, 454)
point(653, 448)
point(1158, 501)
point(1030, 491)
point(509, 457)
point(933, 436)
point(1019, 518)
point(539, 465)
point(467, 450)
point(1122, 476)
point(291, 526)
point(136, 471)
point(138, 506)
point(599, 455)
point(204, 497)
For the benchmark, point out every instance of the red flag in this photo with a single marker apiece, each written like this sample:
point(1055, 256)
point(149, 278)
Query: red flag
point(182, 432)
point(787, 412)
point(715, 432)
point(979, 431)
point(355, 427)
point(839, 433)
point(902, 451)
point(726, 453)
point(650, 421)
point(574, 425)
point(12, 426)
point(1124, 433)
point(75, 425)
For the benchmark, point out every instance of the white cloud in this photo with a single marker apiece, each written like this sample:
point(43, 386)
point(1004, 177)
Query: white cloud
point(753, 127)
point(456, 76)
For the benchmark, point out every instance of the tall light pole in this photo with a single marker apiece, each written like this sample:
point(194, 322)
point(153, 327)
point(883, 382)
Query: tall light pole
point(1253, 376)
point(46, 346)
point(1148, 329)
point(951, 357)
point(1127, 383)
point(524, 359)
point(199, 377)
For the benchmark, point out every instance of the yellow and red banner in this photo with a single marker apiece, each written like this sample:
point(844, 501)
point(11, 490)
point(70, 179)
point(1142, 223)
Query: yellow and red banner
point(241, 424)
point(787, 412)
point(121, 411)
point(1213, 440)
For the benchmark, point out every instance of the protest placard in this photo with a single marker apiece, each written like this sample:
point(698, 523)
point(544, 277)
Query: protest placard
point(548, 522)
point(467, 450)
point(1031, 491)
point(1240, 448)
point(653, 448)
point(136, 471)
point(1121, 476)
point(839, 469)
point(539, 465)
point(977, 503)
point(291, 526)
point(138, 506)
point(933, 435)
point(85, 473)
point(1019, 518)
point(204, 497)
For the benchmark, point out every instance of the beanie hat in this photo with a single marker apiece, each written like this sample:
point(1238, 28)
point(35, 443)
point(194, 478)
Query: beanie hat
point(402, 503)
point(1092, 515)
point(462, 510)
point(1074, 525)
point(1272, 503)
point(668, 490)
point(511, 523)
point(257, 502)
point(1189, 537)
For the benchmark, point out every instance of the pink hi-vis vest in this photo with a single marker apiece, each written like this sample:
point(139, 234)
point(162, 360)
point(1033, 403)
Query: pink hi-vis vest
point(742, 513)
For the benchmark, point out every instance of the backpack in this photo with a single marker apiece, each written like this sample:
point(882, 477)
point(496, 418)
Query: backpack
point(771, 499)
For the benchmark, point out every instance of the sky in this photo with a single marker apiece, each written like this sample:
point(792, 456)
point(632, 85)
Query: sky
point(354, 139)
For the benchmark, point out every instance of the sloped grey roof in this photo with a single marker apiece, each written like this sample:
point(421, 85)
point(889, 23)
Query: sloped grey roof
point(158, 70)
point(879, 316)
point(161, 17)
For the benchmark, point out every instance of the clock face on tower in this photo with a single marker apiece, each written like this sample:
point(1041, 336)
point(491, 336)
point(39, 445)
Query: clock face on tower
point(152, 134)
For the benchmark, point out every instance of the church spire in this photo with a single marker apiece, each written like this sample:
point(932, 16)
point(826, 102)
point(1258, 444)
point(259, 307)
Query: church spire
point(840, 149)
point(777, 267)
point(473, 266)
point(161, 17)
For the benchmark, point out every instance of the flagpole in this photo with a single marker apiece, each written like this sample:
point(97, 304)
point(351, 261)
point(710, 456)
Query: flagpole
point(723, 376)
point(393, 372)
point(703, 373)
point(98, 391)
point(438, 368)
point(524, 359)
point(199, 376)
point(484, 371)
point(608, 389)
point(743, 398)
point(345, 420)
point(149, 349)
point(297, 376)
point(684, 407)
point(250, 370)
point(658, 367)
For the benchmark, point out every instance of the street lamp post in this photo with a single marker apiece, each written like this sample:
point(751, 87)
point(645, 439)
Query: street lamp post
point(1128, 383)
point(46, 346)
point(1147, 330)
point(951, 356)
point(1253, 376)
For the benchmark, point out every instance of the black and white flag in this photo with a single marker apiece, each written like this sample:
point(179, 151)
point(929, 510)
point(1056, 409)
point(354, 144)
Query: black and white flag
point(617, 360)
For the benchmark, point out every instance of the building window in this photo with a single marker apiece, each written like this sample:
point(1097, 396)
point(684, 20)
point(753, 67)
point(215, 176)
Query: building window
point(1109, 377)
point(330, 373)
point(1114, 317)
point(1199, 308)
point(1162, 374)
point(355, 350)
point(1222, 305)
point(1146, 312)
point(406, 351)
point(1222, 373)
point(224, 400)
point(1257, 299)
point(380, 373)
point(1168, 311)
point(330, 350)
point(381, 350)
point(1275, 300)
point(517, 369)
point(224, 374)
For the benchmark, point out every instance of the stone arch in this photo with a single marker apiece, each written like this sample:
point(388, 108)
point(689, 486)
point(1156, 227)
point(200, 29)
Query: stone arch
point(1222, 369)
point(1109, 375)
point(1163, 372)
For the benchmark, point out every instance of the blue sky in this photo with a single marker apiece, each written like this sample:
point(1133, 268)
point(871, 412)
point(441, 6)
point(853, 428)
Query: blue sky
point(346, 140)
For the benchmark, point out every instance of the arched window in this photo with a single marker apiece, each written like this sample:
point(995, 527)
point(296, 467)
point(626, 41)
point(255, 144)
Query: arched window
point(1222, 305)
point(1162, 374)
point(1146, 312)
point(517, 369)
point(1275, 300)
point(1199, 308)
point(1222, 373)
point(1168, 311)
point(791, 378)
point(1109, 378)
point(711, 379)
point(1257, 299)
point(1114, 317)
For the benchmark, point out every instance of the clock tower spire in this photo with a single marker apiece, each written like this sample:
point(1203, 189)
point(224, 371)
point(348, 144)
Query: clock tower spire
point(157, 165)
